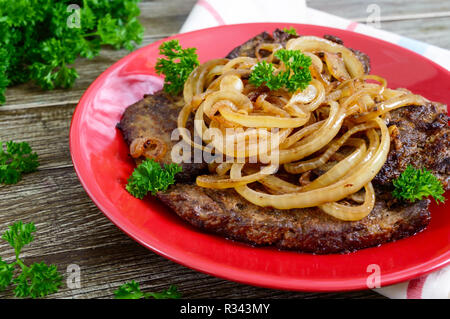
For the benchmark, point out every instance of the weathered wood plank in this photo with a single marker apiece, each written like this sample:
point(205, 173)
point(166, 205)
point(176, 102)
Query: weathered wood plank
point(164, 8)
point(402, 17)
point(45, 129)
point(433, 31)
point(346, 8)
point(71, 230)
point(426, 15)
point(357, 9)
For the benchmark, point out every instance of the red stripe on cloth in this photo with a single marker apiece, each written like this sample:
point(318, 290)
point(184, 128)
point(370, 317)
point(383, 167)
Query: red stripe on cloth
point(415, 287)
point(205, 4)
point(352, 26)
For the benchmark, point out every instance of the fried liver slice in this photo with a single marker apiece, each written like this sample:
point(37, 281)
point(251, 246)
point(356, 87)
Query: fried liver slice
point(422, 139)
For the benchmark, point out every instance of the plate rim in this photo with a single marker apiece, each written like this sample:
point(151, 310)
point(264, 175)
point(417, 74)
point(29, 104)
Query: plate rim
point(232, 273)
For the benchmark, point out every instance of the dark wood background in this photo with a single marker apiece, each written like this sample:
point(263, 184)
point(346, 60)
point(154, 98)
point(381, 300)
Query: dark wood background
point(71, 229)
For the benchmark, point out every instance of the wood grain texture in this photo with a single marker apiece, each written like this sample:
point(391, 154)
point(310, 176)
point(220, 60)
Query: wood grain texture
point(357, 9)
point(164, 8)
point(402, 17)
point(434, 31)
point(46, 129)
point(71, 229)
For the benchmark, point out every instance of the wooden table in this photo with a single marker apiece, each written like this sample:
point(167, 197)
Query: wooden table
point(72, 230)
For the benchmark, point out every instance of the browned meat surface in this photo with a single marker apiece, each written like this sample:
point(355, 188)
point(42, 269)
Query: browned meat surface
point(248, 48)
point(333, 38)
point(155, 117)
point(279, 36)
point(364, 58)
point(226, 213)
point(148, 116)
point(310, 230)
point(421, 138)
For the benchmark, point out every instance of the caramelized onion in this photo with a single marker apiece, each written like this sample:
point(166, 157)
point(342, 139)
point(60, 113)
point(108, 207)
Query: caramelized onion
point(331, 129)
point(211, 181)
point(334, 192)
point(317, 139)
point(261, 120)
point(341, 168)
point(336, 66)
point(300, 167)
point(352, 213)
point(149, 147)
point(389, 105)
point(315, 44)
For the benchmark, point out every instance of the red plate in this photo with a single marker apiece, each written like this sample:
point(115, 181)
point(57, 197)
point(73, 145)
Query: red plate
point(100, 158)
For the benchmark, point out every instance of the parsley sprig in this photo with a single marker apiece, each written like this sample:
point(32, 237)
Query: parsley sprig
point(132, 290)
point(291, 31)
point(35, 281)
point(415, 184)
point(150, 177)
point(294, 75)
point(15, 160)
point(37, 42)
point(177, 65)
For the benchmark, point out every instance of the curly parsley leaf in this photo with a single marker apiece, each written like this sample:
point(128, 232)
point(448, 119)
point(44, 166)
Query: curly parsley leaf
point(416, 184)
point(171, 293)
point(263, 74)
point(132, 290)
point(6, 274)
point(294, 73)
point(53, 70)
point(150, 177)
point(37, 43)
point(19, 235)
point(297, 74)
point(119, 34)
point(4, 81)
point(291, 31)
point(177, 65)
point(35, 281)
point(16, 160)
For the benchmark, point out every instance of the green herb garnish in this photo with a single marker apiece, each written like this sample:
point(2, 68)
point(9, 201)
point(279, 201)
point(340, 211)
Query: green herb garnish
point(178, 65)
point(132, 290)
point(150, 177)
point(415, 184)
point(291, 30)
point(16, 160)
point(39, 40)
point(294, 76)
point(35, 281)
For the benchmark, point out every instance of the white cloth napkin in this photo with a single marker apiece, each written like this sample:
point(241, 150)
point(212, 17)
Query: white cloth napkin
point(210, 13)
